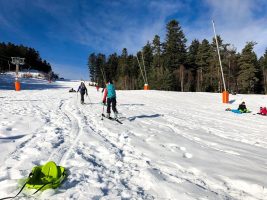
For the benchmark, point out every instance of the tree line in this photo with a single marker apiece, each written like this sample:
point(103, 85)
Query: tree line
point(32, 57)
point(171, 65)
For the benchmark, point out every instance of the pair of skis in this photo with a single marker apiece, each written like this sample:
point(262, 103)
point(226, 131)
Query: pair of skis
point(111, 118)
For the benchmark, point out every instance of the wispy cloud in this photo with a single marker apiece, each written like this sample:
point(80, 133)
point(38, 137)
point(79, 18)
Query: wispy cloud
point(3, 21)
point(240, 21)
point(9, 16)
point(119, 24)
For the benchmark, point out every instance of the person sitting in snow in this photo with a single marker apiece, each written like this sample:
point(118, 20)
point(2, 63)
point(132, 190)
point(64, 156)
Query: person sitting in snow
point(263, 111)
point(72, 90)
point(83, 90)
point(242, 107)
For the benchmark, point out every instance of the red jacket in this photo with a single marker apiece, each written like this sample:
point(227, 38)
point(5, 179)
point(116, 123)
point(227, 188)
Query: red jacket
point(105, 95)
point(263, 111)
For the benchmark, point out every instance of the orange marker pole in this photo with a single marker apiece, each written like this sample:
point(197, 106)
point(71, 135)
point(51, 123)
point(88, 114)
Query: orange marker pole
point(146, 87)
point(225, 96)
point(17, 85)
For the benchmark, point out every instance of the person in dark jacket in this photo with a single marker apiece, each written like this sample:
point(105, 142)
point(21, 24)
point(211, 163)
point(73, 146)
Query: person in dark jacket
point(111, 99)
point(83, 90)
point(242, 107)
point(72, 90)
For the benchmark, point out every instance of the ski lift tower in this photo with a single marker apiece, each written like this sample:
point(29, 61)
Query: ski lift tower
point(17, 61)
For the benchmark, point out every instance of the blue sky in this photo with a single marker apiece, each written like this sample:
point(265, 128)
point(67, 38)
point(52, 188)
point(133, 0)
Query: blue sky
point(65, 32)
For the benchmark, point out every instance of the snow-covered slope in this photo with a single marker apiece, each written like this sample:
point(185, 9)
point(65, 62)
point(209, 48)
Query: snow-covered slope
point(171, 145)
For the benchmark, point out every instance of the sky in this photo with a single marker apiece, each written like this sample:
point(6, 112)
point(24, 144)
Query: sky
point(65, 32)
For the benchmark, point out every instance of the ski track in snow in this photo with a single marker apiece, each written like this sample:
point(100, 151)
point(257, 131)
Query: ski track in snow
point(166, 148)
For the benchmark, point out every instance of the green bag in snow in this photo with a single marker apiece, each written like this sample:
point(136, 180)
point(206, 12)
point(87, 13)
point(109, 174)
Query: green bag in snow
point(43, 177)
point(46, 176)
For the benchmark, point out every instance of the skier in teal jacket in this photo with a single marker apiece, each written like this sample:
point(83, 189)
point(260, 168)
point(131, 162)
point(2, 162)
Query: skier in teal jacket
point(111, 99)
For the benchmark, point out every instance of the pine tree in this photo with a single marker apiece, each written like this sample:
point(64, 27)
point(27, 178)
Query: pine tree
point(133, 73)
point(92, 67)
point(163, 79)
point(203, 61)
point(112, 67)
point(147, 63)
point(157, 51)
point(232, 72)
point(191, 65)
point(174, 51)
point(214, 76)
point(101, 69)
point(263, 67)
point(157, 62)
point(248, 68)
point(174, 46)
point(123, 70)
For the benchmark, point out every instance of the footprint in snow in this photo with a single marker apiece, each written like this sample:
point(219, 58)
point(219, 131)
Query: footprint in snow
point(173, 147)
point(187, 155)
point(182, 148)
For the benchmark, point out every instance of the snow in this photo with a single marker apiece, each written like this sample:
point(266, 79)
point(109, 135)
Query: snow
point(171, 145)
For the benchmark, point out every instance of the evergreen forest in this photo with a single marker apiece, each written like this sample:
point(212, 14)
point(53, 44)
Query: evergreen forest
point(32, 57)
point(174, 66)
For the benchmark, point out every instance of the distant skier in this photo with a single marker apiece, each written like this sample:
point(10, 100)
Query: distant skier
point(83, 90)
point(111, 99)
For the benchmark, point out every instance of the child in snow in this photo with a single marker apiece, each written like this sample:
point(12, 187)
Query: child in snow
point(83, 90)
point(263, 111)
point(111, 99)
point(242, 107)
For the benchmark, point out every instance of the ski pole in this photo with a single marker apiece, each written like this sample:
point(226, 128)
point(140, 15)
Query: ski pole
point(103, 108)
point(102, 112)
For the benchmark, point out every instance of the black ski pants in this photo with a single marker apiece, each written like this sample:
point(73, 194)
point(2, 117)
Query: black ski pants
point(113, 102)
point(82, 97)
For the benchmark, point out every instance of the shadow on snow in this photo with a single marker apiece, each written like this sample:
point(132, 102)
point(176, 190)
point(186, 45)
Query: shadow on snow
point(144, 116)
point(137, 104)
point(12, 137)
